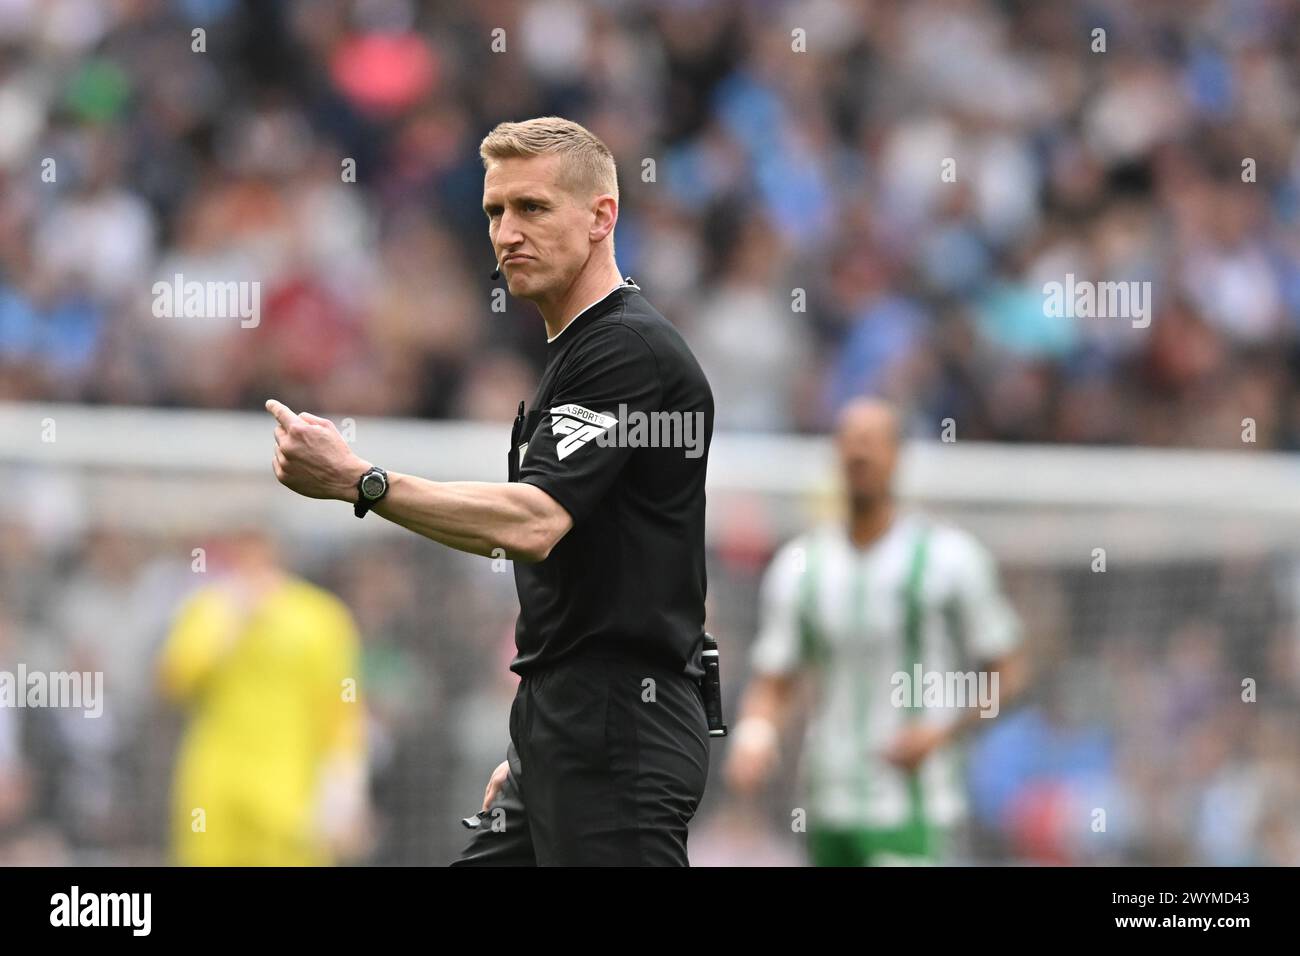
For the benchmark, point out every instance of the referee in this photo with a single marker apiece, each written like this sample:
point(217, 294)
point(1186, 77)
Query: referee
point(608, 752)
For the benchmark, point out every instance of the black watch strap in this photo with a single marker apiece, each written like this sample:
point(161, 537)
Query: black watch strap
point(364, 502)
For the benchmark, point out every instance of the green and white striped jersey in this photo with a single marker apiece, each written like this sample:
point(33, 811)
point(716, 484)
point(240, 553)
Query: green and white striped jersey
point(922, 593)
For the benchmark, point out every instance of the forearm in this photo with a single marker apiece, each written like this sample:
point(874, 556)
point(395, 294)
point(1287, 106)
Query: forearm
point(757, 734)
point(769, 699)
point(1012, 675)
point(514, 520)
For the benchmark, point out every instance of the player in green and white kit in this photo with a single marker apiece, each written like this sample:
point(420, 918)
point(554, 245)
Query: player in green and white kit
point(855, 606)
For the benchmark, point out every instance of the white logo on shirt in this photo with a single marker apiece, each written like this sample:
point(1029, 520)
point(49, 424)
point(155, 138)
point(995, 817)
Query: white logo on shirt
point(578, 425)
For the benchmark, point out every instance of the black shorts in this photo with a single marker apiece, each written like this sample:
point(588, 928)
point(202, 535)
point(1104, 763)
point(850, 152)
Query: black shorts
point(608, 761)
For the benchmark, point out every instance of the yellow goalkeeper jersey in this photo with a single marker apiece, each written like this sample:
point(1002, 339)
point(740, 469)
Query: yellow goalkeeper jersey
point(274, 708)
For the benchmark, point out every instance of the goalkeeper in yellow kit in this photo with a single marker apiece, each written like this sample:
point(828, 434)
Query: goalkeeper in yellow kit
point(271, 771)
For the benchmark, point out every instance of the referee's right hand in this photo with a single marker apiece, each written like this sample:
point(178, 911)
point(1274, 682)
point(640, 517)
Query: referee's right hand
point(495, 783)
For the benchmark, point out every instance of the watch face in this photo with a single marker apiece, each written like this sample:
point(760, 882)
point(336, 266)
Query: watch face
point(372, 486)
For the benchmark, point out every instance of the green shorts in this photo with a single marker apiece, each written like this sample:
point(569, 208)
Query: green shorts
point(916, 844)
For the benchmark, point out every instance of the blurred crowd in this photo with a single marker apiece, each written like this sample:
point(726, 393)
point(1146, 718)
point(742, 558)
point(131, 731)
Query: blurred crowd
point(1163, 730)
point(784, 202)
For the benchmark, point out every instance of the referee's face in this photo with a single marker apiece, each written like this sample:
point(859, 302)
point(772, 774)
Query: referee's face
point(541, 231)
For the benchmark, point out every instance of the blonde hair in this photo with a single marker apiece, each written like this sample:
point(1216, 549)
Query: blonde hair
point(588, 167)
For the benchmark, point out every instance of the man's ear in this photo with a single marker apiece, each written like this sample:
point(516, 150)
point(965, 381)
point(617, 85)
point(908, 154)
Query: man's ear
point(604, 217)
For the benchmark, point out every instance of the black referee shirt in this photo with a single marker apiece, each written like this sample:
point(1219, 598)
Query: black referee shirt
point(618, 434)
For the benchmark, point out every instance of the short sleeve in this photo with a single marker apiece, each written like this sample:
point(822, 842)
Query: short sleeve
point(572, 452)
point(989, 626)
point(778, 649)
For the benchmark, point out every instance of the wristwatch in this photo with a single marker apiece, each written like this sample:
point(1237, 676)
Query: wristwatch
point(371, 487)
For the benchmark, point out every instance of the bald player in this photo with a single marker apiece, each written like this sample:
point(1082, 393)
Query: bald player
point(859, 610)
